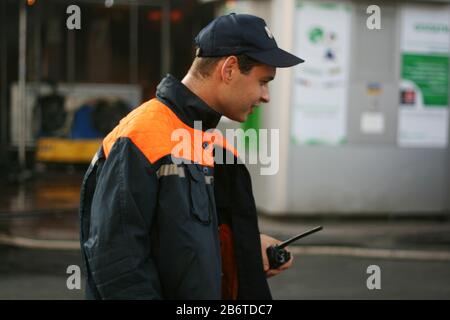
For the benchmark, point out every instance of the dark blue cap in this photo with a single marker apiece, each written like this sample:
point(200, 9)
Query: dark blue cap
point(236, 34)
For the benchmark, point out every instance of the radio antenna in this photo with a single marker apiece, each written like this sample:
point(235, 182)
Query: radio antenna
point(288, 241)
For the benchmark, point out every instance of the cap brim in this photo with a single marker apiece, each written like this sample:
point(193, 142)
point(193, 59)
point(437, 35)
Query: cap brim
point(276, 58)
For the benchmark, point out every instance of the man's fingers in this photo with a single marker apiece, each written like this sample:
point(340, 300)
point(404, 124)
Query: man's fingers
point(272, 272)
point(266, 242)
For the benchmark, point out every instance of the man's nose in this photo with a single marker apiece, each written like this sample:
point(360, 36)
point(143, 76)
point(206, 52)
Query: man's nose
point(265, 97)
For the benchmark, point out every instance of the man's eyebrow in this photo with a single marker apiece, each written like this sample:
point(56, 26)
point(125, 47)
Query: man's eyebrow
point(268, 78)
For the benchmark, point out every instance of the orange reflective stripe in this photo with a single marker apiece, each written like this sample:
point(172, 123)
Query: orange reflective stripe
point(153, 129)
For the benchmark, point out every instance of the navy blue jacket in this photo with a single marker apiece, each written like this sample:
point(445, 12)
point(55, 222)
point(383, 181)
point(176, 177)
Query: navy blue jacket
point(149, 223)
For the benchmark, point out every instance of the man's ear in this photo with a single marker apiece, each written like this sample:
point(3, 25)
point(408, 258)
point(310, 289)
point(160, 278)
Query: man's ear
point(229, 68)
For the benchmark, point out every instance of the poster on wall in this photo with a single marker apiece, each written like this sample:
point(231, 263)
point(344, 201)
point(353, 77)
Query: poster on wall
point(322, 38)
point(424, 44)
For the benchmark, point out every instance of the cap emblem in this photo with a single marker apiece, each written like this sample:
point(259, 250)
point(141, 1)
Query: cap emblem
point(269, 34)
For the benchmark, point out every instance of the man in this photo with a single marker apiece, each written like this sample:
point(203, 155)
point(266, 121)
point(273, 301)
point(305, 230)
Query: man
point(158, 222)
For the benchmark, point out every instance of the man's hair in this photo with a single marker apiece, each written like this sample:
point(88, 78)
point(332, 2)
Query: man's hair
point(202, 67)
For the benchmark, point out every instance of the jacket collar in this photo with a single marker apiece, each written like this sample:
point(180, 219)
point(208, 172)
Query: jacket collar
point(186, 105)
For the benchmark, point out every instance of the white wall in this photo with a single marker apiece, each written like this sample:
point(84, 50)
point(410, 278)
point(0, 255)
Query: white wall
point(366, 176)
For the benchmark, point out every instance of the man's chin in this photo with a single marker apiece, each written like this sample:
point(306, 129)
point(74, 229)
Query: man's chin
point(241, 119)
point(244, 118)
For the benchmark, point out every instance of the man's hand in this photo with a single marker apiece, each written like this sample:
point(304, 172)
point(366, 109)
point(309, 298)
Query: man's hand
point(266, 242)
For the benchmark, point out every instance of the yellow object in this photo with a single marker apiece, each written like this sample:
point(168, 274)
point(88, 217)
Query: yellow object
point(66, 150)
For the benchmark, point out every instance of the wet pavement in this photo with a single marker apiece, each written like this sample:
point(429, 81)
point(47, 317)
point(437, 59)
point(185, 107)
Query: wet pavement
point(44, 208)
point(27, 273)
point(49, 193)
point(39, 240)
point(394, 233)
point(343, 277)
point(36, 218)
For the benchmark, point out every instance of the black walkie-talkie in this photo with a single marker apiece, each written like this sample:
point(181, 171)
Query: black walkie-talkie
point(278, 256)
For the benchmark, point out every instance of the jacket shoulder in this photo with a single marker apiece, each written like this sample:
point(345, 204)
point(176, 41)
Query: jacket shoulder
point(149, 127)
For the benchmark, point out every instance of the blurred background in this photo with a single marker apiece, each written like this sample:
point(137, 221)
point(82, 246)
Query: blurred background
point(363, 134)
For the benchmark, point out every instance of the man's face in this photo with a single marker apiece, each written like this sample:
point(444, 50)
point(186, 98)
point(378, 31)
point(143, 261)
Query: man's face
point(245, 91)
